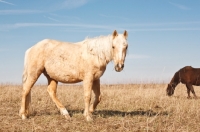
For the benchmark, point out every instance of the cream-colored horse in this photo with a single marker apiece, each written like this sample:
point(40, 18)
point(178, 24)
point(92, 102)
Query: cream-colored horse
point(70, 63)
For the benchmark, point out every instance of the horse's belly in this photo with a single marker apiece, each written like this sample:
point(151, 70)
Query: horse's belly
point(64, 73)
point(67, 77)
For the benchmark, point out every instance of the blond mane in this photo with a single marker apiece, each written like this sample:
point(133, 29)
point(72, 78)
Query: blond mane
point(100, 46)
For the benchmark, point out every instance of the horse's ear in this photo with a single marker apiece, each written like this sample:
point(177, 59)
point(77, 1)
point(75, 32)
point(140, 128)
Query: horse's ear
point(125, 34)
point(114, 34)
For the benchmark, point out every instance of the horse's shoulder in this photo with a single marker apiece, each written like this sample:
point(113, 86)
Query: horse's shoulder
point(52, 42)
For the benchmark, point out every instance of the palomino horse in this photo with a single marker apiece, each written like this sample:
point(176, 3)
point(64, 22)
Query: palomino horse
point(188, 76)
point(71, 63)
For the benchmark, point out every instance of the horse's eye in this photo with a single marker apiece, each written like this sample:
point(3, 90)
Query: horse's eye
point(113, 47)
point(126, 47)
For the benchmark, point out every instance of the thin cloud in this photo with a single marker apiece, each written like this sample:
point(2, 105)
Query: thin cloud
point(131, 28)
point(135, 56)
point(162, 24)
point(55, 20)
point(87, 31)
point(66, 17)
point(23, 25)
point(182, 7)
point(6, 2)
point(116, 17)
point(166, 29)
point(69, 4)
point(170, 26)
point(17, 12)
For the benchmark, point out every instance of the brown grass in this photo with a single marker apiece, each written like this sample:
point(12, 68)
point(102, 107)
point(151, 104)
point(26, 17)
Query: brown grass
point(139, 107)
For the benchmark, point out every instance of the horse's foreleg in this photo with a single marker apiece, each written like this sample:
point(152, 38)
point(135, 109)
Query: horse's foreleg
point(52, 89)
point(26, 98)
point(96, 90)
point(87, 84)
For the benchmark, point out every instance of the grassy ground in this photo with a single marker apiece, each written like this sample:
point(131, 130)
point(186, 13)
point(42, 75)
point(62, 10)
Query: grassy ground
point(139, 107)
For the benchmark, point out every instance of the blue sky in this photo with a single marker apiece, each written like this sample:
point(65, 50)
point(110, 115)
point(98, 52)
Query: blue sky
point(164, 35)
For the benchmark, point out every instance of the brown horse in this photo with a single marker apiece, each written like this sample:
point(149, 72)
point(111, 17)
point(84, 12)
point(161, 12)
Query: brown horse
point(186, 75)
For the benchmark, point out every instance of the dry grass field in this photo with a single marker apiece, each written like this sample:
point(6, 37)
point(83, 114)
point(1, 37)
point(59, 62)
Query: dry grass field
point(129, 107)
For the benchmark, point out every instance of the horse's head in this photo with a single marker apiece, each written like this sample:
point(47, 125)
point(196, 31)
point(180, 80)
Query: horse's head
point(170, 90)
point(119, 49)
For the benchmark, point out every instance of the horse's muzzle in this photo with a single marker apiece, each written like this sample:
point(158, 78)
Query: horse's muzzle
point(119, 67)
point(169, 93)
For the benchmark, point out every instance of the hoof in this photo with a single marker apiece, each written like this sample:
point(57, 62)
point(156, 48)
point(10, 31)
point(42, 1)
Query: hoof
point(89, 119)
point(67, 117)
point(88, 116)
point(24, 117)
point(91, 109)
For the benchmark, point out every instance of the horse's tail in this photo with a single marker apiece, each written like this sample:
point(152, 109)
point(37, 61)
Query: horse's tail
point(25, 73)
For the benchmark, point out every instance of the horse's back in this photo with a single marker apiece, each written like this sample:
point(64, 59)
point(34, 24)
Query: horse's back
point(190, 69)
point(189, 74)
point(47, 52)
point(46, 47)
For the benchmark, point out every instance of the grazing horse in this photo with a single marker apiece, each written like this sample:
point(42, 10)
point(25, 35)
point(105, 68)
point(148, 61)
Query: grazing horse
point(71, 63)
point(186, 75)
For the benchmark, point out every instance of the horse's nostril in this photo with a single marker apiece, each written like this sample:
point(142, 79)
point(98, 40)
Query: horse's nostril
point(122, 65)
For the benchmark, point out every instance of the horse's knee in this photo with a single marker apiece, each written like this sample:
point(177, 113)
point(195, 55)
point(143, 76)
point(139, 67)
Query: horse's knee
point(99, 99)
point(87, 98)
point(25, 93)
point(193, 92)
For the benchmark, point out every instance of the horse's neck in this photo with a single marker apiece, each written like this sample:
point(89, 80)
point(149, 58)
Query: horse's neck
point(100, 47)
point(175, 80)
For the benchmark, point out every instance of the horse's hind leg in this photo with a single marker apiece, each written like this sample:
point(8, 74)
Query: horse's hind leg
point(190, 88)
point(26, 97)
point(96, 90)
point(52, 89)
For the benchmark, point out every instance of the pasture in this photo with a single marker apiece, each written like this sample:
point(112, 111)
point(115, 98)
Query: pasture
point(124, 107)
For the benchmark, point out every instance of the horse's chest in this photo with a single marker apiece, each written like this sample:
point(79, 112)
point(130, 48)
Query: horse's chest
point(99, 73)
